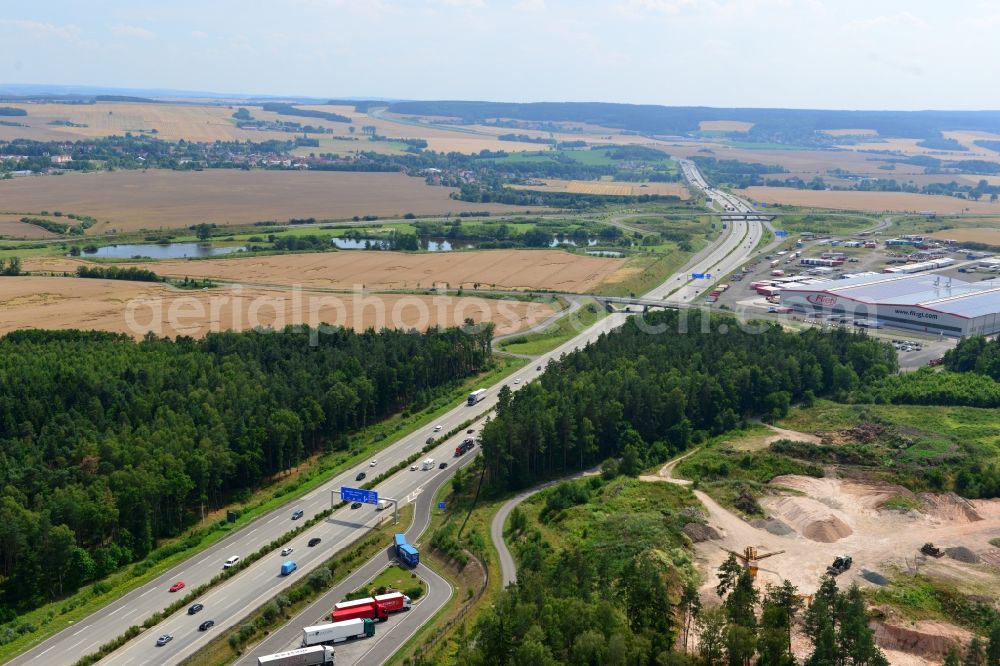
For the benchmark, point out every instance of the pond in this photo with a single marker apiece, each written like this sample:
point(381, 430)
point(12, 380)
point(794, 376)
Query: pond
point(165, 251)
point(426, 244)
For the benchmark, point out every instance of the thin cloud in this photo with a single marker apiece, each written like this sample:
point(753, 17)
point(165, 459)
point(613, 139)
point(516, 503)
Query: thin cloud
point(132, 31)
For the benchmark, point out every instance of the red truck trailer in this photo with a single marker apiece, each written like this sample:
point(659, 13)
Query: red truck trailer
point(375, 608)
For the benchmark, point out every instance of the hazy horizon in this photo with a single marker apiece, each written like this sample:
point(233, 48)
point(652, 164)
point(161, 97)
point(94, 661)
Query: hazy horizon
point(814, 54)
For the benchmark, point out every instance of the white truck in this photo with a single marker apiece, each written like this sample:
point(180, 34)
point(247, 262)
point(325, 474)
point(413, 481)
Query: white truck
point(310, 656)
point(382, 505)
point(427, 464)
point(335, 632)
point(476, 396)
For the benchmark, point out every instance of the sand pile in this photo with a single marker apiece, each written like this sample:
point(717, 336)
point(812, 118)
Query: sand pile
point(950, 508)
point(773, 526)
point(699, 532)
point(962, 554)
point(811, 518)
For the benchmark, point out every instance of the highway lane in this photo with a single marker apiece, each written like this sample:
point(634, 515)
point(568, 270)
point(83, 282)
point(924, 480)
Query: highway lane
point(439, 590)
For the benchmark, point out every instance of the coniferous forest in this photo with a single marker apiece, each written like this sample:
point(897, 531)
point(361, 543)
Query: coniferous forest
point(642, 397)
point(108, 444)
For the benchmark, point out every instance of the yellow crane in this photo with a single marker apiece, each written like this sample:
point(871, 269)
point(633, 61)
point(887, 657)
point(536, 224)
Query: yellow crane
point(750, 557)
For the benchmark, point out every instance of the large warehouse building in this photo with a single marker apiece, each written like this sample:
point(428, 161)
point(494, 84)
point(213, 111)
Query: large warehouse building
point(924, 302)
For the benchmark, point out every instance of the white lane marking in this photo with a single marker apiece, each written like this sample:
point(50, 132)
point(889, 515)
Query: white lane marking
point(145, 593)
point(117, 611)
point(42, 653)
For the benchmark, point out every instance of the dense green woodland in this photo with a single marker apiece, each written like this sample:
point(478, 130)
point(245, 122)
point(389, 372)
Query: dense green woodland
point(107, 444)
point(643, 396)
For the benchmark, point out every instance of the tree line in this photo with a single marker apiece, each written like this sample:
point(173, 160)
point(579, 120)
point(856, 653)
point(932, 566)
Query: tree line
point(108, 444)
point(643, 396)
point(118, 273)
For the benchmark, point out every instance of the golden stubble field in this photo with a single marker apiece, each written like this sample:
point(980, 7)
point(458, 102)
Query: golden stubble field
point(990, 236)
point(162, 199)
point(607, 188)
point(12, 227)
point(137, 308)
point(869, 201)
point(554, 270)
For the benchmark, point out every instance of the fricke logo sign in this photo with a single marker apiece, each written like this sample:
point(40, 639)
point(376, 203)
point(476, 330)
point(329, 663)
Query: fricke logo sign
point(823, 300)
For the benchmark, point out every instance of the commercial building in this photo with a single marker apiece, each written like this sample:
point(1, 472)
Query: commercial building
point(924, 302)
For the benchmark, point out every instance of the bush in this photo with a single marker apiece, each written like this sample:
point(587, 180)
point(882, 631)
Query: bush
point(414, 592)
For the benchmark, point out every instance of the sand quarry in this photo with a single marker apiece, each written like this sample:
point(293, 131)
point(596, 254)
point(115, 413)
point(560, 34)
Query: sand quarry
point(505, 269)
point(815, 519)
point(138, 307)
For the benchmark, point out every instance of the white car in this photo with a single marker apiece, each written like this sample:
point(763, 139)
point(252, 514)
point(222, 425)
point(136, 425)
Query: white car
point(286, 551)
point(517, 381)
point(438, 428)
point(373, 463)
point(413, 468)
point(231, 562)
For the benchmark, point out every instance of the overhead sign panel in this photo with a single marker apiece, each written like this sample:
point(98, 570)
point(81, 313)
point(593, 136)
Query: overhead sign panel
point(349, 494)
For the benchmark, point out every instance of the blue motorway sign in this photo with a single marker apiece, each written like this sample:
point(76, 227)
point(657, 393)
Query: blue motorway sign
point(780, 234)
point(349, 494)
point(441, 505)
point(697, 276)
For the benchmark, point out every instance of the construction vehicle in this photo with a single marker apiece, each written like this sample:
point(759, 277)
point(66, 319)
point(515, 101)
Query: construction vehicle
point(932, 550)
point(840, 564)
point(750, 558)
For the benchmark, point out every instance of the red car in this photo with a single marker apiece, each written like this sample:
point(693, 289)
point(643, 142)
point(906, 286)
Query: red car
point(179, 585)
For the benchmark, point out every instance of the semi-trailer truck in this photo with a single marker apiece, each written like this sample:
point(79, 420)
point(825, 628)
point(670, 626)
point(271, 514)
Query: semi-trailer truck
point(375, 608)
point(310, 656)
point(336, 632)
point(476, 396)
point(404, 551)
point(465, 446)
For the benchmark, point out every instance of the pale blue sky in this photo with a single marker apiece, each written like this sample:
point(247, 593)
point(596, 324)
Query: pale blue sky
point(788, 53)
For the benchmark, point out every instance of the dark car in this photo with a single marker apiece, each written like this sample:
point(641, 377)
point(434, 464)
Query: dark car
point(429, 440)
point(206, 625)
point(360, 476)
point(194, 609)
point(355, 505)
point(470, 431)
point(298, 513)
point(442, 465)
point(314, 541)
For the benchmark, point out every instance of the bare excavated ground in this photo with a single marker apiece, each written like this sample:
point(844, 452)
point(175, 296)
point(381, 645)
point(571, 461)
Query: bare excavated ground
point(826, 517)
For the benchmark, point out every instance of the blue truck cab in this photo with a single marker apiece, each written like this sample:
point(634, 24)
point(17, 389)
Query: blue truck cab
point(405, 551)
point(409, 555)
point(288, 567)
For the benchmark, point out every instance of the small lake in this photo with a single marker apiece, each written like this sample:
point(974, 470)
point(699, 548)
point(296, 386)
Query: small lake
point(426, 244)
point(166, 251)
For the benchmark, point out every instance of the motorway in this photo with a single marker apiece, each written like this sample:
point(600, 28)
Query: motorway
point(230, 601)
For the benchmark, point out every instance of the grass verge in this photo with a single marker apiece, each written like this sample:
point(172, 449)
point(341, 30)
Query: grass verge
point(560, 331)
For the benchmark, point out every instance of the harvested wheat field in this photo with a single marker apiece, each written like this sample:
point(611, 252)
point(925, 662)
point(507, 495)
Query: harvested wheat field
point(12, 227)
point(137, 308)
point(724, 126)
point(973, 235)
point(506, 269)
point(172, 122)
point(607, 188)
point(161, 199)
point(869, 201)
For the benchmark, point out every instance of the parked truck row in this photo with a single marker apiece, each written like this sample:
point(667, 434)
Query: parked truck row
point(372, 608)
point(310, 656)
